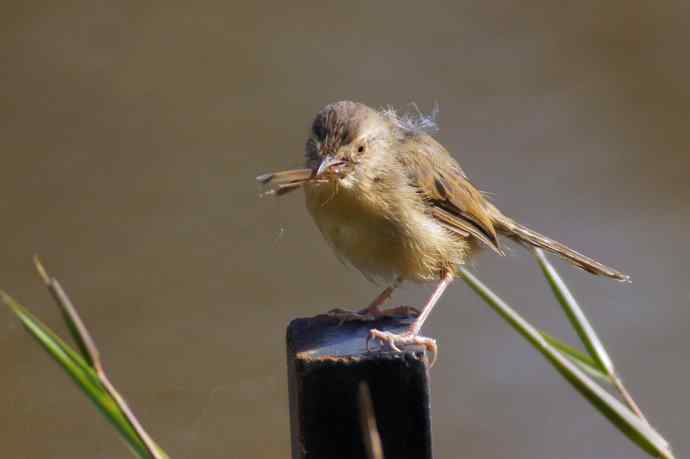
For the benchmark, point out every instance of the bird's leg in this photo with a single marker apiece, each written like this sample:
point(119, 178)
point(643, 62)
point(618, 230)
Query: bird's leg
point(411, 335)
point(374, 310)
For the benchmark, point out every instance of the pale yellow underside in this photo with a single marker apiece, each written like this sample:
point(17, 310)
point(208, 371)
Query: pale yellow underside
point(368, 233)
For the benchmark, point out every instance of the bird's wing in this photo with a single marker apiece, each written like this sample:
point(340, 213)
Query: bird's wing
point(440, 181)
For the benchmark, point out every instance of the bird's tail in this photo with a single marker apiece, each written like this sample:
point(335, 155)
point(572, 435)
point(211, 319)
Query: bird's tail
point(520, 233)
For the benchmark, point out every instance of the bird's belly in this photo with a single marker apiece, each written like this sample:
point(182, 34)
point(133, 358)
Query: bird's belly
point(378, 246)
point(373, 247)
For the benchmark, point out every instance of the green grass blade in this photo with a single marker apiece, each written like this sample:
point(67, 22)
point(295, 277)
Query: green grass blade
point(61, 300)
point(625, 420)
point(80, 372)
point(75, 336)
point(582, 360)
point(577, 318)
point(35, 326)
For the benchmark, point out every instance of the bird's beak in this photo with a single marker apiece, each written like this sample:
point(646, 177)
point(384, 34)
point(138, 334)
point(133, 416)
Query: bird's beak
point(327, 163)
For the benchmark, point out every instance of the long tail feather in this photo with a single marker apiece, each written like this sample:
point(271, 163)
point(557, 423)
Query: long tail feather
point(521, 233)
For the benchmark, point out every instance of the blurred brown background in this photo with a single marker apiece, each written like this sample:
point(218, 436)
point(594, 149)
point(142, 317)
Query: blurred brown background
point(130, 136)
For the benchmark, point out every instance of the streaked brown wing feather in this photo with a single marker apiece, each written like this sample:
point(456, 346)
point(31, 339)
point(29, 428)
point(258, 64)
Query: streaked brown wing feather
point(459, 227)
point(455, 202)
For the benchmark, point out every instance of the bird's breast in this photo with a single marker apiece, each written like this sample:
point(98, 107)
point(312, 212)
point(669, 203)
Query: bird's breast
point(379, 238)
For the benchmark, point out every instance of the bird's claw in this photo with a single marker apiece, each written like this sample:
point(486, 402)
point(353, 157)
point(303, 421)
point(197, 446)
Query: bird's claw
point(405, 339)
point(401, 311)
point(343, 315)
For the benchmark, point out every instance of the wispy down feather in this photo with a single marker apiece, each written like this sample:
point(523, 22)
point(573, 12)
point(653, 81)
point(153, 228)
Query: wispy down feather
point(414, 122)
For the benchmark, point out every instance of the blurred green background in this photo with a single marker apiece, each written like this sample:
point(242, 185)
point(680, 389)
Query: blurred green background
point(130, 136)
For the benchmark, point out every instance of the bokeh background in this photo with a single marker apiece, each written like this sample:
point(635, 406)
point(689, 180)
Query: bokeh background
point(130, 136)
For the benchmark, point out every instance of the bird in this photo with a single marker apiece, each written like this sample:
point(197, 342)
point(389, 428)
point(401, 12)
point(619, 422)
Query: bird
point(392, 202)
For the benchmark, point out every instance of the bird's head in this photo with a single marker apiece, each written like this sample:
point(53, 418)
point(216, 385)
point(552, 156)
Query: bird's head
point(344, 135)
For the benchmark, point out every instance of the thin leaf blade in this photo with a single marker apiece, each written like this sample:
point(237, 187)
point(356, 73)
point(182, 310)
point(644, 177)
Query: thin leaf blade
point(79, 371)
point(61, 299)
point(578, 357)
point(575, 315)
point(623, 418)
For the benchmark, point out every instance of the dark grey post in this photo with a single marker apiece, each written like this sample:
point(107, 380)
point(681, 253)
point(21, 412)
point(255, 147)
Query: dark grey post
point(326, 363)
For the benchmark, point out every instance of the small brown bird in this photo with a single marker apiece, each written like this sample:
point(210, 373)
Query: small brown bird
point(393, 203)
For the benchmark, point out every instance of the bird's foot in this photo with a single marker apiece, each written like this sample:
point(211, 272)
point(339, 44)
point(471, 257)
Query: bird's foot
point(404, 339)
point(371, 314)
point(344, 315)
point(401, 311)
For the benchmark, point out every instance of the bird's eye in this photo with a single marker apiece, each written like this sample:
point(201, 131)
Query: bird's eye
point(360, 149)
